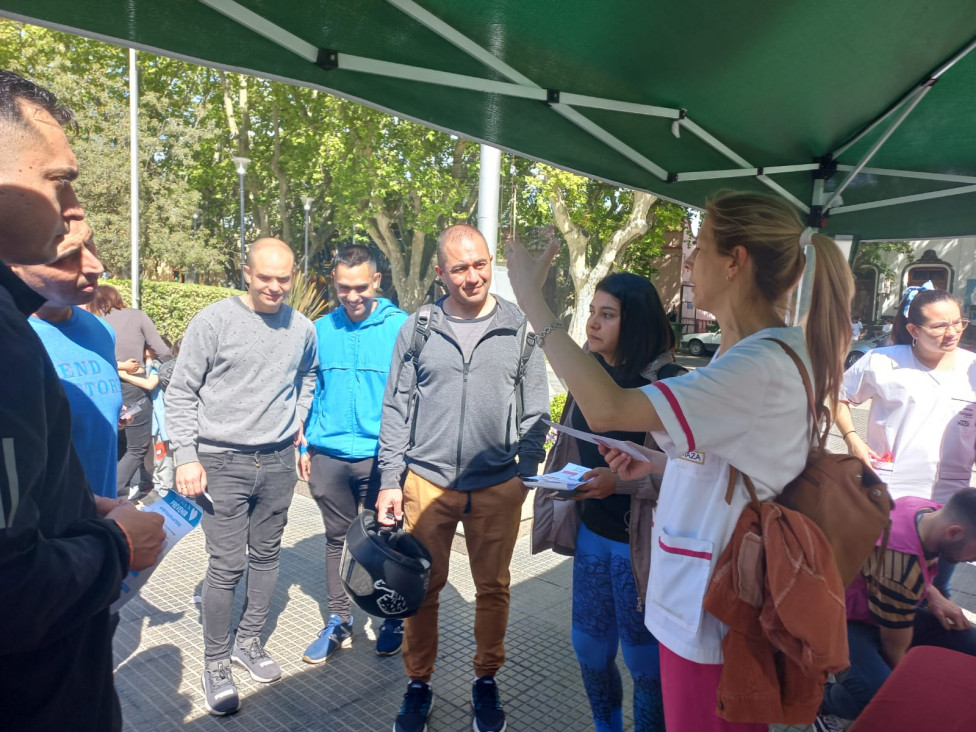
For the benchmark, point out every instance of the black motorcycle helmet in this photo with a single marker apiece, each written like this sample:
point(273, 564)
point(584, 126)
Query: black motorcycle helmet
point(384, 570)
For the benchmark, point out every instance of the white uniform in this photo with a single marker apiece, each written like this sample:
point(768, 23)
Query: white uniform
point(747, 408)
point(926, 419)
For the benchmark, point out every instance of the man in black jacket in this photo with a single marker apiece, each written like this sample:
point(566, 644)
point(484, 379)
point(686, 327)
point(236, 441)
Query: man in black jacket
point(63, 553)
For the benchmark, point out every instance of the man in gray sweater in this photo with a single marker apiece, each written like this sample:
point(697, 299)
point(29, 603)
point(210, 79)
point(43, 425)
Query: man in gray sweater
point(235, 404)
point(474, 431)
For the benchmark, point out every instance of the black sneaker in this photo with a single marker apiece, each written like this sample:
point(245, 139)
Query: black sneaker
point(219, 692)
point(488, 713)
point(415, 708)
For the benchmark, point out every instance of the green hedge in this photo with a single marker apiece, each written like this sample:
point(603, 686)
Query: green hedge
point(171, 305)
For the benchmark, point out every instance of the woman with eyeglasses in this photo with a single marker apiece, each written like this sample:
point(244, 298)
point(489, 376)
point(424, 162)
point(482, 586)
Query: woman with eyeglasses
point(921, 434)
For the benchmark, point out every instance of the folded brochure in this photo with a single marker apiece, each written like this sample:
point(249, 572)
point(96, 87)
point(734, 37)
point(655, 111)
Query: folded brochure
point(568, 479)
point(180, 517)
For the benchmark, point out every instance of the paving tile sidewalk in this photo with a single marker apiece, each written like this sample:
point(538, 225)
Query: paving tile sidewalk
point(159, 650)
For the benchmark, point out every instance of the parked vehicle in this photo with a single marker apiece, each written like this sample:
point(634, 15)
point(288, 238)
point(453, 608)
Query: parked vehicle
point(860, 347)
point(700, 344)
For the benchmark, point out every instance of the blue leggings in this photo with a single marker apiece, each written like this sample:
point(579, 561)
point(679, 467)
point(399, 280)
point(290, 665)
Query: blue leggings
point(605, 615)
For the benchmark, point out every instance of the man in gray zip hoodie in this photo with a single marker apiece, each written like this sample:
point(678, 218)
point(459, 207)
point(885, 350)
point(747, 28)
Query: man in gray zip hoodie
point(459, 453)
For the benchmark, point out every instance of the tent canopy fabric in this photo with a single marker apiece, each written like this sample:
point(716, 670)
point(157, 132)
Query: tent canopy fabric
point(863, 114)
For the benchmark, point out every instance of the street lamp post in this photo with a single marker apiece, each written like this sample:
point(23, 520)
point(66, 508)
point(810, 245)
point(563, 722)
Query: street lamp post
point(241, 165)
point(307, 200)
point(196, 220)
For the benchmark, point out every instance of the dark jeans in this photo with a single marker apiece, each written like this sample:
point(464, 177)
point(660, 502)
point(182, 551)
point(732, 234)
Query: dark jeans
point(341, 488)
point(251, 494)
point(138, 436)
point(869, 670)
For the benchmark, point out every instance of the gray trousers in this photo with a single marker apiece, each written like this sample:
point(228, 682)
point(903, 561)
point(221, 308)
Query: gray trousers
point(341, 488)
point(251, 493)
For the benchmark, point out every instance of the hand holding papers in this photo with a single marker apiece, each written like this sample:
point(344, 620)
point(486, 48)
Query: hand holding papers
point(566, 481)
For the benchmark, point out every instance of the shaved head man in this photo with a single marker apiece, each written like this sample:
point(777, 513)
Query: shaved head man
point(236, 402)
point(269, 274)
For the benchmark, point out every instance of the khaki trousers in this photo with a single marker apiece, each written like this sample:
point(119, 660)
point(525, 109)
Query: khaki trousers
point(490, 518)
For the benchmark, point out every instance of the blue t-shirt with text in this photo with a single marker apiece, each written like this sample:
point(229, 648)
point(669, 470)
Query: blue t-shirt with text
point(82, 350)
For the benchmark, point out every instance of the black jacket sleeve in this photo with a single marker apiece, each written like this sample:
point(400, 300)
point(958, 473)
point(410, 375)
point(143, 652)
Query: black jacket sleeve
point(59, 563)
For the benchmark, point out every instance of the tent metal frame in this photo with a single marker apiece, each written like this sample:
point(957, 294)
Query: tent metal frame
point(568, 104)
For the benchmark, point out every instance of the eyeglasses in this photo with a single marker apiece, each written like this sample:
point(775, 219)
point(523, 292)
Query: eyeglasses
point(939, 329)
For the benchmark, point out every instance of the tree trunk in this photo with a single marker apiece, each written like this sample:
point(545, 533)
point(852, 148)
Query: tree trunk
point(586, 277)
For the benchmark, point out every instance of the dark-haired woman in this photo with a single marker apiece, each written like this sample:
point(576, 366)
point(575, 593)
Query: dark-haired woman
point(629, 335)
point(921, 434)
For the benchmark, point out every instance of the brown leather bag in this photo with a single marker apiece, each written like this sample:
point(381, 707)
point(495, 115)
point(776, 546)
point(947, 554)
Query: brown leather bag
point(839, 493)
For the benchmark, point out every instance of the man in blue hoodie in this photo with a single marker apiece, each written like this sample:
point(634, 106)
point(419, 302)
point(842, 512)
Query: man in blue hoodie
point(355, 345)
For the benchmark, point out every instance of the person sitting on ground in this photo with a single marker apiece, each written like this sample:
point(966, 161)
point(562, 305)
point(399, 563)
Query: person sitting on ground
point(883, 600)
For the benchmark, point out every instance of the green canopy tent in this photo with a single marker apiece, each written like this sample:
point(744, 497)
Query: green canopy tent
point(863, 114)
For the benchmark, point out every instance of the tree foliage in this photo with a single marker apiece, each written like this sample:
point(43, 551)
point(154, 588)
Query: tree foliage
point(874, 254)
point(601, 225)
point(370, 176)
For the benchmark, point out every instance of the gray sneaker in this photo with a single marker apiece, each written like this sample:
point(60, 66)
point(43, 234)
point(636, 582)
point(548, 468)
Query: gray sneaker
point(219, 692)
point(251, 655)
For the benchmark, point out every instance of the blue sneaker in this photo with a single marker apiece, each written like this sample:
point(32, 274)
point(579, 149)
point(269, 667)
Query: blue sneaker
point(390, 638)
point(488, 713)
point(332, 637)
point(415, 709)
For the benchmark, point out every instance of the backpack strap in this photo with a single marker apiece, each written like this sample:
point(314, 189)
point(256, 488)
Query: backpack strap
point(528, 341)
point(811, 406)
point(421, 333)
point(808, 387)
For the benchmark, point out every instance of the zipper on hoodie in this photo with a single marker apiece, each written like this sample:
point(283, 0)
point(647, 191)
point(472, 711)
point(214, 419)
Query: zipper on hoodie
point(464, 397)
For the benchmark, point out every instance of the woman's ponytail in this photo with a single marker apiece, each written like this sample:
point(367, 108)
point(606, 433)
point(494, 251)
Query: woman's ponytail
point(828, 323)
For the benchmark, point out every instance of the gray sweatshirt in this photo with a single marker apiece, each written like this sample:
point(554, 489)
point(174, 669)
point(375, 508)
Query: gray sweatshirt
point(243, 380)
point(464, 433)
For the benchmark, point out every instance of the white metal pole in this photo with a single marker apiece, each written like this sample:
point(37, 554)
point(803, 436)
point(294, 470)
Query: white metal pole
point(134, 174)
point(489, 183)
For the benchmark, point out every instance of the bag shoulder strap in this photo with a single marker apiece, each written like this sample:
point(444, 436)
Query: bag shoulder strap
point(815, 414)
point(811, 406)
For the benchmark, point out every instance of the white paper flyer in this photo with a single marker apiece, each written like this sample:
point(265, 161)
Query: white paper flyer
point(180, 517)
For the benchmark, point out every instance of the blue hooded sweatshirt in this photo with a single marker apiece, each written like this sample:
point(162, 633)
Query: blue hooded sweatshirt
point(354, 361)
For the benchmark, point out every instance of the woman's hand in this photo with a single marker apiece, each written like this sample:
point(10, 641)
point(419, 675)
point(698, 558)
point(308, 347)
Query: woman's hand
point(600, 483)
point(859, 448)
point(527, 274)
point(630, 469)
